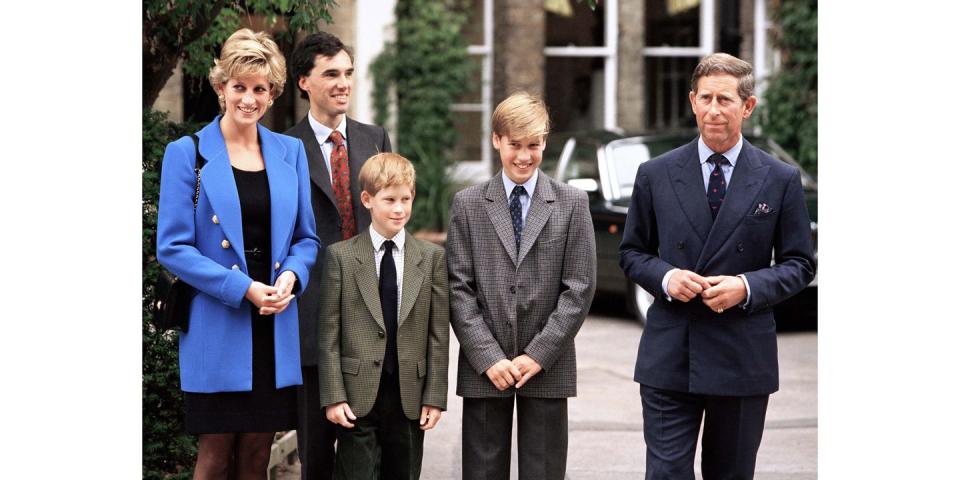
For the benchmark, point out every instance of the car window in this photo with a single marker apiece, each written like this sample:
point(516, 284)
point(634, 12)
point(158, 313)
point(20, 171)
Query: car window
point(551, 155)
point(624, 159)
point(583, 163)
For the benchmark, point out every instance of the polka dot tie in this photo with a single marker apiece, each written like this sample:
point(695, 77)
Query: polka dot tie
point(516, 212)
point(341, 184)
point(717, 186)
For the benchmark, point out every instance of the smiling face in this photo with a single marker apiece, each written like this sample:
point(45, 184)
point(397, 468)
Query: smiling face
point(720, 111)
point(328, 86)
point(245, 99)
point(520, 157)
point(389, 208)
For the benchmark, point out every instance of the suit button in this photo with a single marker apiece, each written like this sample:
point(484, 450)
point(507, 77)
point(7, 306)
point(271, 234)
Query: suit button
point(276, 266)
point(235, 267)
point(225, 243)
point(513, 289)
point(215, 220)
point(376, 363)
point(381, 334)
point(680, 245)
point(739, 247)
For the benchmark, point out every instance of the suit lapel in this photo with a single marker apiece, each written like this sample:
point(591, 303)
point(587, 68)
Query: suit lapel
point(541, 206)
point(367, 280)
point(412, 277)
point(748, 177)
point(360, 147)
point(282, 179)
point(687, 180)
point(317, 165)
point(216, 179)
point(499, 214)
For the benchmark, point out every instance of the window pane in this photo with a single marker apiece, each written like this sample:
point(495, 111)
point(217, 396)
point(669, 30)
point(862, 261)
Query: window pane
point(574, 93)
point(473, 29)
point(673, 23)
point(474, 93)
point(470, 126)
point(573, 23)
point(668, 86)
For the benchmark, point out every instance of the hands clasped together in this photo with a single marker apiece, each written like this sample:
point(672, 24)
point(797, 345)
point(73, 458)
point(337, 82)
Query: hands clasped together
point(507, 373)
point(717, 292)
point(273, 299)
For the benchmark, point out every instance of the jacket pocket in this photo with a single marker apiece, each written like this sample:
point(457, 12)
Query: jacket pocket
point(350, 365)
point(422, 368)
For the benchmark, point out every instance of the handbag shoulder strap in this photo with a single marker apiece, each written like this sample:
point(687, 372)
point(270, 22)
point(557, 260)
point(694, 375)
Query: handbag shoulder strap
point(200, 162)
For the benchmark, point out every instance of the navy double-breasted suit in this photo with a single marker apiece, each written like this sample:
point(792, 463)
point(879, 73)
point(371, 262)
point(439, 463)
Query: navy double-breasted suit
point(204, 247)
point(686, 347)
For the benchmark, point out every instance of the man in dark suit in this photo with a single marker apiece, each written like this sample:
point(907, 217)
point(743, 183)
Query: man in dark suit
point(702, 223)
point(336, 148)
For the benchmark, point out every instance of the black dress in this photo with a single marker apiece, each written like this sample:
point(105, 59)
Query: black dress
point(265, 408)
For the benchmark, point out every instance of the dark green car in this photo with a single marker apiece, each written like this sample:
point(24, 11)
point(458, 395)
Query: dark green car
point(604, 164)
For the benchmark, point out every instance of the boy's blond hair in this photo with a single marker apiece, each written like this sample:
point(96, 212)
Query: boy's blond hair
point(385, 170)
point(521, 115)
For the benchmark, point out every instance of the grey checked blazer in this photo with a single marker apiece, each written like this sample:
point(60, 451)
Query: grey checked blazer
point(352, 338)
point(504, 304)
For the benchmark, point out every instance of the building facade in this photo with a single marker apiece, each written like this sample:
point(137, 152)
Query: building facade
point(625, 66)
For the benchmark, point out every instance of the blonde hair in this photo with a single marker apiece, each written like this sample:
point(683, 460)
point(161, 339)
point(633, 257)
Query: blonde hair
point(385, 170)
point(248, 53)
point(521, 115)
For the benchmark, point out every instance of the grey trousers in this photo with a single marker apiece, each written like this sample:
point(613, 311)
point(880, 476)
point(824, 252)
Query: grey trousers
point(541, 438)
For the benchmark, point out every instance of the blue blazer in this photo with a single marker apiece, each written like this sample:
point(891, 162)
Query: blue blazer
point(687, 347)
point(205, 249)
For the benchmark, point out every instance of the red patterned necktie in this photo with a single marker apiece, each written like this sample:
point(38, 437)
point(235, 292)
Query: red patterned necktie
point(341, 184)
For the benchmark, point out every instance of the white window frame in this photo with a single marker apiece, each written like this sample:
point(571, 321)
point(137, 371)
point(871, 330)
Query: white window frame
point(609, 54)
point(707, 32)
point(472, 169)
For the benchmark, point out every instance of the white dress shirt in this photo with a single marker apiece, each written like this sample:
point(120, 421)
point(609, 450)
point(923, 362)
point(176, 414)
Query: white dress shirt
point(322, 132)
point(378, 251)
point(706, 168)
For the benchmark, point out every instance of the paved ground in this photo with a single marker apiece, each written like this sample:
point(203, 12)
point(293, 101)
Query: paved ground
point(606, 432)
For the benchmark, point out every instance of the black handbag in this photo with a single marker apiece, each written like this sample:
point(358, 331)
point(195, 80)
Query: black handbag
point(173, 294)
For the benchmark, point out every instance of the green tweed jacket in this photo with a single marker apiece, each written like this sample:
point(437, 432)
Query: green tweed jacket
point(352, 338)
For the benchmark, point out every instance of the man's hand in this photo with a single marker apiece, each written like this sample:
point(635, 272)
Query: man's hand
point(684, 285)
point(725, 293)
point(528, 368)
point(429, 417)
point(341, 414)
point(503, 374)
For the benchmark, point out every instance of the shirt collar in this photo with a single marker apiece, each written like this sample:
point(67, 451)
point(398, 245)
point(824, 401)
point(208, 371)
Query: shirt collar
point(529, 185)
point(378, 239)
point(731, 154)
point(322, 131)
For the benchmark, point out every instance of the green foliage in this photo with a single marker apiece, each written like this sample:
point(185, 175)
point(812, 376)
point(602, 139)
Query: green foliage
point(168, 452)
point(193, 31)
point(789, 113)
point(427, 70)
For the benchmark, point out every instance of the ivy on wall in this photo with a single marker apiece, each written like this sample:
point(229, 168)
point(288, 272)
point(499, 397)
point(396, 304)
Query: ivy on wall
point(789, 110)
point(424, 72)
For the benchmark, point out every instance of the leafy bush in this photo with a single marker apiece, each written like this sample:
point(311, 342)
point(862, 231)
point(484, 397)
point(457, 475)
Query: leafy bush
point(789, 112)
point(428, 69)
point(168, 452)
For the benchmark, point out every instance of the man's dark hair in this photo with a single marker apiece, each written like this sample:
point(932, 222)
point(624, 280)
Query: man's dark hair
point(305, 54)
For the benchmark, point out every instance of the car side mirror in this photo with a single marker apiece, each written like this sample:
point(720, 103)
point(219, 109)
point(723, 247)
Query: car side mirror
point(585, 184)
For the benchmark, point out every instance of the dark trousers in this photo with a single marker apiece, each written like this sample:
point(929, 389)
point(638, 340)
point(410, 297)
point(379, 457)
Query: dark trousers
point(541, 438)
point(315, 434)
point(732, 429)
point(384, 437)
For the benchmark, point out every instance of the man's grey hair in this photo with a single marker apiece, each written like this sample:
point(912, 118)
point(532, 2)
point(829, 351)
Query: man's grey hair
point(725, 64)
